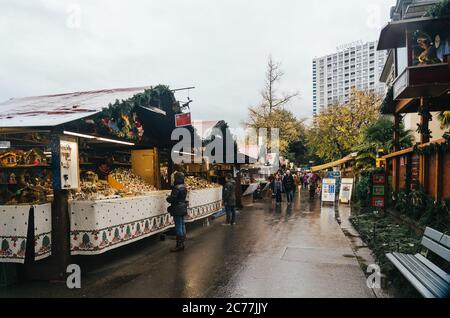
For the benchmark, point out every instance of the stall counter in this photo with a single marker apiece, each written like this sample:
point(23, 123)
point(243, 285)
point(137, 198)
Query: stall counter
point(102, 225)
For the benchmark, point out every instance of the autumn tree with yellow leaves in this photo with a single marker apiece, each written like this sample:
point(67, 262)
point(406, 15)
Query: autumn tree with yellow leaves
point(339, 128)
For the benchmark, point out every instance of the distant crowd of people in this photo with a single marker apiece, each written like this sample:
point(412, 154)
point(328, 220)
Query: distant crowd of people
point(288, 183)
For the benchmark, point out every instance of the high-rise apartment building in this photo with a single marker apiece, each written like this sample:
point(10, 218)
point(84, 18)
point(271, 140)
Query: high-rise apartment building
point(356, 65)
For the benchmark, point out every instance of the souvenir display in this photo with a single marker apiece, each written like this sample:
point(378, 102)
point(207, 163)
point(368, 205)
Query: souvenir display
point(91, 191)
point(195, 183)
point(27, 189)
point(13, 158)
point(128, 183)
point(8, 159)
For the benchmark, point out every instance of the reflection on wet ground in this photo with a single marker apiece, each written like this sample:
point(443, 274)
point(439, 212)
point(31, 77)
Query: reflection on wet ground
point(293, 250)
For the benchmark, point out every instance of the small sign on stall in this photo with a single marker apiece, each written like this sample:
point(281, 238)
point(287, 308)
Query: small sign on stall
point(69, 164)
point(182, 120)
point(5, 144)
point(378, 190)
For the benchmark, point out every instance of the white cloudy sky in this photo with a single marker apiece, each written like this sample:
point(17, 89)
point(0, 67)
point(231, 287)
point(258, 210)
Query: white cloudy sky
point(219, 46)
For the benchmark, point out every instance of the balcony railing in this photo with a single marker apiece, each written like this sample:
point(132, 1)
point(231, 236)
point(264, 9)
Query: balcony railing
point(422, 81)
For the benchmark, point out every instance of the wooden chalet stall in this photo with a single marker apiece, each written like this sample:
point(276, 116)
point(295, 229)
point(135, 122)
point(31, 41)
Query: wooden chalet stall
point(81, 175)
point(420, 53)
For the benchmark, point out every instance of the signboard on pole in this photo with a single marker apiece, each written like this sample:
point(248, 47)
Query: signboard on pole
point(378, 191)
point(345, 194)
point(337, 176)
point(182, 120)
point(329, 190)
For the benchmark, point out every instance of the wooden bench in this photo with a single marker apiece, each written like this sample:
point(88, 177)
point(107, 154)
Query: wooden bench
point(430, 280)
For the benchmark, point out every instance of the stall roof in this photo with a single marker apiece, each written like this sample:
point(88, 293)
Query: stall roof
point(54, 110)
point(393, 35)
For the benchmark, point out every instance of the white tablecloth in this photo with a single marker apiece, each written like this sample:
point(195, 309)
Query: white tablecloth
point(14, 229)
point(42, 231)
point(99, 226)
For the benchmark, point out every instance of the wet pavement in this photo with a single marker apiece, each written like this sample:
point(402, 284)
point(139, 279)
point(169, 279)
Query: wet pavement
point(297, 251)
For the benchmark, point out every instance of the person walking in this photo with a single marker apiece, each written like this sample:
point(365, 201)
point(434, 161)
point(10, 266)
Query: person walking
point(288, 185)
point(305, 181)
point(278, 189)
point(178, 209)
point(229, 199)
point(296, 182)
point(313, 182)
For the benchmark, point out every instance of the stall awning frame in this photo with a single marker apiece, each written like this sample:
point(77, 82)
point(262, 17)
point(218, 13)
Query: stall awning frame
point(334, 163)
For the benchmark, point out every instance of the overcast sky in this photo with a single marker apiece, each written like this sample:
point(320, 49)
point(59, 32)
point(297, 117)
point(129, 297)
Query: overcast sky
point(219, 46)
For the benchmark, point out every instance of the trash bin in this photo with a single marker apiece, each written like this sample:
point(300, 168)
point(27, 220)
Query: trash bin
point(8, 274)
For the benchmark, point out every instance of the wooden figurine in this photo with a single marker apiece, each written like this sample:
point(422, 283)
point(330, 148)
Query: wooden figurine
point(8, 159)
point(34, 157)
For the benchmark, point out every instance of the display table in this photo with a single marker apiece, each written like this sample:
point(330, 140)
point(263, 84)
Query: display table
point(14, 222)
point(203, 203)
point(99, 226)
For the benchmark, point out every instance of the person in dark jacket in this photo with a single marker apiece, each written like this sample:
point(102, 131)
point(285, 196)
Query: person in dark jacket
point(229, 198)
point(278, 189)
point(178, 209)
point(289, 185)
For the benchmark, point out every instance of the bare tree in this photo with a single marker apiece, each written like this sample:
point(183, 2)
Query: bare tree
point(269, 94)
point(271, 113)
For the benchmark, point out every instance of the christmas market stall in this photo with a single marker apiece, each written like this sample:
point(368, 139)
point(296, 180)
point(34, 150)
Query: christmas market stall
point(81, 172)
point(79, 165)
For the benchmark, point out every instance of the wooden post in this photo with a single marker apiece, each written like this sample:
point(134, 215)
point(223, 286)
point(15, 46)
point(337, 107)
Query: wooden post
point(439, 177)
point(60, 233)
point(170, 169)
point(156, 165)
point(423, 175)
point(397, 120)
point(60, 215)
point(424, 138)
point(424, 122)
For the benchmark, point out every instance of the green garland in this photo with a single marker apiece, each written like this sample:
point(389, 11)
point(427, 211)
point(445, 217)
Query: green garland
point(120, 119)
point(432, 148)
point(441, 9)
point(425, 113)
point(388, 101)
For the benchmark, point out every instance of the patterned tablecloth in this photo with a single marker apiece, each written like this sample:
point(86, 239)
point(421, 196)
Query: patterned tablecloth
point(14, 229)
point(203, 203)
point(42, 231)
point(99, 226)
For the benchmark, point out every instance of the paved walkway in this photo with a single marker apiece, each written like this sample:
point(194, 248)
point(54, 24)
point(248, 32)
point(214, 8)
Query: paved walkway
point(271, 252)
